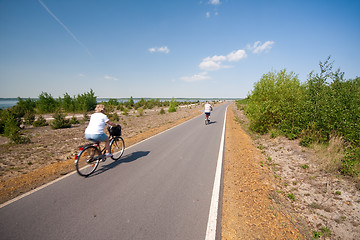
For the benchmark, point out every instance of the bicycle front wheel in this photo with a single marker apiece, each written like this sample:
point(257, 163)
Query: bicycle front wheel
point(87, 161)
point(117, 147)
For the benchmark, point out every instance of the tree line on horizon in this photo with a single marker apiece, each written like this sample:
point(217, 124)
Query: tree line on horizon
point(23, 113)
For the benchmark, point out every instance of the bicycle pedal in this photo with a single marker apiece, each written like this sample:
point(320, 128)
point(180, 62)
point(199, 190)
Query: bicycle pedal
point(102, 158)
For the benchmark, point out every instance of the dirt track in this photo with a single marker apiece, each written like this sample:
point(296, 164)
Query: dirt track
point(248, 210)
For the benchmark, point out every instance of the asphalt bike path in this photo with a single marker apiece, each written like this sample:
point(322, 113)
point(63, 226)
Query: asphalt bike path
point(160, 189)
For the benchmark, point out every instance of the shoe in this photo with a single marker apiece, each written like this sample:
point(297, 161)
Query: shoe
point(108, 155)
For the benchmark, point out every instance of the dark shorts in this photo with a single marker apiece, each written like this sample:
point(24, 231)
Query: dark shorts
point(207, 114)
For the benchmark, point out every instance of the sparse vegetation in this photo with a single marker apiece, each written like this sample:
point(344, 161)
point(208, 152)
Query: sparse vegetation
point(291, 196)
point(305, 166)
point(325, 105)
point(28, 111)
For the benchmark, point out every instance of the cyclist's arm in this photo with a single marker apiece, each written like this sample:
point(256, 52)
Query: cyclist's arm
point(111, 123)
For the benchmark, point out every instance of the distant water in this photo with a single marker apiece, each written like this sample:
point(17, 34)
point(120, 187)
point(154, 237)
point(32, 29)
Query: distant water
point(7, 102)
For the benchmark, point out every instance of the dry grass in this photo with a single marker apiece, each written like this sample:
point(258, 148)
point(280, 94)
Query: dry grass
point(330, 155)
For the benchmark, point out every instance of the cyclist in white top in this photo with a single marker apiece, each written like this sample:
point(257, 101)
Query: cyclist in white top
point(208, 109)
point(95, 130)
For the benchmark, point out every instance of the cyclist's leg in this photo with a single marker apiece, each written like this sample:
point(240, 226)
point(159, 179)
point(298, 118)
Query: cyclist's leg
point(99, 138)
point(107, 145)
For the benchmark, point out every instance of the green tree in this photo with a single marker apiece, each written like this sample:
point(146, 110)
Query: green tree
point(173, 105)
point(131, 101)
point(85, 102)
point(46, 103)
point(274, 103)
point(68, 103)
point(25, 106)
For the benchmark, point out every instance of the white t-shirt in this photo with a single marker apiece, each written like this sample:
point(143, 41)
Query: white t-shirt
point(97, 123)
point(207, 108)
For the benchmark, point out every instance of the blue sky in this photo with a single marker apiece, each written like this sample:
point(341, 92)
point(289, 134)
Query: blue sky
point(175, 48)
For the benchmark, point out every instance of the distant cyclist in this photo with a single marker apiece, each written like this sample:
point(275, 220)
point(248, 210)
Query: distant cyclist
point(95, 130)
point(208, 109)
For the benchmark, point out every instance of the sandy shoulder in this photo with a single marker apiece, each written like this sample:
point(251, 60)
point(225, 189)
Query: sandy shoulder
point(248, 210)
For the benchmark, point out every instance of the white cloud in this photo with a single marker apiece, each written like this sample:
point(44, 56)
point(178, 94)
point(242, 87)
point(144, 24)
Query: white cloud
point(210, 65)
point(107, 77)
point(196, 77)
point(216, 62)
point(163, 49)
point(81, 75)
point(215, 2)
point(207, 14)
point(236, 55)
point(259, 48)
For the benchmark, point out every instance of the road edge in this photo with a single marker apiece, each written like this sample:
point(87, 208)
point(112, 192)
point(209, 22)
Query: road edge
point(213, 213)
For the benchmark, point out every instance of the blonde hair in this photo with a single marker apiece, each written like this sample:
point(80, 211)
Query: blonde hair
point(99, 108)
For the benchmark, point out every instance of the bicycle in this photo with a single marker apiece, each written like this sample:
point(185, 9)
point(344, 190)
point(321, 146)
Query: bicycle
point(90, 155)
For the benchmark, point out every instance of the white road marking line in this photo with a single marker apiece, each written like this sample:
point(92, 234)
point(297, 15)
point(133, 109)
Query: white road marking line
point(213, 213)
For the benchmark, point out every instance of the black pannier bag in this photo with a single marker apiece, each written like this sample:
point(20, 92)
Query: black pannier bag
point(115, 131)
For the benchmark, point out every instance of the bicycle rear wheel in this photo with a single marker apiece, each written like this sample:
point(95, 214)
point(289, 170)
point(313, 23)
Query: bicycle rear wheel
point(117, 147)
point(87, 160)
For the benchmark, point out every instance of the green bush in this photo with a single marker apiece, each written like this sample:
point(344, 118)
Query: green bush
point(86, 117)
point(60, 121)
point(86, 102)
point(274, 103)
point(162, 111)
point(29, 118)
point(140, 111)
point(173, 105)
point(74, 120)
point(114, 117)
point(46, 103)
point(351, 162)
point(81, 103)
point(17, 138)
point(112, 102)
point(325, 104)
point(40, 122)
point(25, 106)
point(129, 104)
point(140, 103)
point(68, 104)
point(125, 112)
point(10, 126)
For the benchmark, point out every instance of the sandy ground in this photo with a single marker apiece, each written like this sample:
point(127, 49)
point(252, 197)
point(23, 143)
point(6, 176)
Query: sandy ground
point(320, 204)
point(266, 193)
point(249, 211)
